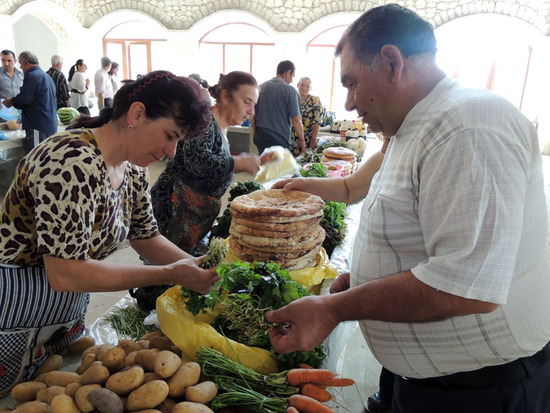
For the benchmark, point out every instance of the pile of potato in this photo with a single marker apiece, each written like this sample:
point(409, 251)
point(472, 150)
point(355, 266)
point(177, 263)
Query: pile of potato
point(148, 376)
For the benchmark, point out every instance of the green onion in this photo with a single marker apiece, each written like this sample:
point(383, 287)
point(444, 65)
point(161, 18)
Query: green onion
point(128, 322)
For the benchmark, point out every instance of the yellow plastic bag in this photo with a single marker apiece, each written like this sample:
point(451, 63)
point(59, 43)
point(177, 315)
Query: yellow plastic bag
point(310, 278)
point(190, 333)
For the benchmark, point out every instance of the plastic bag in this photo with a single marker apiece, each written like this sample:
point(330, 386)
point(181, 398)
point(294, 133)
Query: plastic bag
point(190, 333)
point(283, 164)
point(9, 113)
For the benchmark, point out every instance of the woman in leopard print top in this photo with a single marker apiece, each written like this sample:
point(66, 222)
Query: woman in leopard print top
point(75, 199)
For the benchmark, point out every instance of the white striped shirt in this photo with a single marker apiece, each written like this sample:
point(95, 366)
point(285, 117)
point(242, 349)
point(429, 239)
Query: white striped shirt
point(459, 201)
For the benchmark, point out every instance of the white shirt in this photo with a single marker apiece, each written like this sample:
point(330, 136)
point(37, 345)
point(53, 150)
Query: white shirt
point(103, 84)
point(459, 201)
point(78, 82)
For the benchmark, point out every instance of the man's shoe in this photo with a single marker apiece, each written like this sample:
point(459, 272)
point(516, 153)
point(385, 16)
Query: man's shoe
point(375, 404)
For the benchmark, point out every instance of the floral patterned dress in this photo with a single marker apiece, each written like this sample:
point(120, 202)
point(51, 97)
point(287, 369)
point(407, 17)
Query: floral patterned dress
point(312, 113)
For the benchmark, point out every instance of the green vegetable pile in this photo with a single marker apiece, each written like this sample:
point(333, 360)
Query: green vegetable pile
point(223, 222)
point(316, 170)
point(247, 291)
point(128, 322)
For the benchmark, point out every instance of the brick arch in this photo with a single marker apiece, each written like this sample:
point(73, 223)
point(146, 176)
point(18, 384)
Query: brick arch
point(293, 15)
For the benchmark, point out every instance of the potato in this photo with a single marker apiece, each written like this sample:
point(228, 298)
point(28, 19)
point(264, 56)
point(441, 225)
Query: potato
point(177, 350)
point(24, 392)
point(103, 350)
point(60, 378)
point(202, 392)
point(83, 343)
point(125, 382)
point(87, 361)
point(63, 404)
point(144, 344)
point(166, 364)
point(71, 389)
point(191, 407)
point(148, 336)
point(160, 342)
point(114, 359)
point(150, 376)
point(187, 375)
point(146, 359)
point(32, 407)
point(129, 346)
point(148, 396)
point(131, 358)
point(96, 374)
point(105, 401)
point(46, 395)
point(52, 363)
point(92, 350)
point(81, 397)
point(41, 377)
point(166, 406)
point(148, 411)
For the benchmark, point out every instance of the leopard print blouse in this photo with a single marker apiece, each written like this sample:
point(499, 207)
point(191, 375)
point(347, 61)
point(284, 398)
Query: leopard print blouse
point(61, 203)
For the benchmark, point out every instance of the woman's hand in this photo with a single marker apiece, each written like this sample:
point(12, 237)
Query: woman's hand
point(189, 274)
point(247, 162)
point(268, 156)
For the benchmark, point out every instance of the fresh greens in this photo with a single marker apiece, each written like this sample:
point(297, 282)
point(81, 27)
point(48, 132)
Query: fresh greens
point(128, 322)
point(334, 225)
point(247, 291)
point(316, 170)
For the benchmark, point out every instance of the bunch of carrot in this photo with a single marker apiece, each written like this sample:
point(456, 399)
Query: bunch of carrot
point(313, 384)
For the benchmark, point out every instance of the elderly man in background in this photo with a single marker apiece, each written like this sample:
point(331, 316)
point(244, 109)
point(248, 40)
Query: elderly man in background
point(277, 110)
point(450, 276)
point(11, 78)
point(103, 85)
point(36, 100)
point(61, 86)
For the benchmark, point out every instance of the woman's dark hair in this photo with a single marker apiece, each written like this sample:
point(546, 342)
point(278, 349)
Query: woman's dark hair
point(74, 67)
point(389, 24)
point(164, 95)
point(199, 79)
point(231, 82)
point(114, 65)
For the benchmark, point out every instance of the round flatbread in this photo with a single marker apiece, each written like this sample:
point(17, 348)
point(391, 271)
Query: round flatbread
point(276, 202)
point(303, 246)
point(339, 152)
point(284, 227)
point(272, 242)
point(276, 219)
point(288, 259)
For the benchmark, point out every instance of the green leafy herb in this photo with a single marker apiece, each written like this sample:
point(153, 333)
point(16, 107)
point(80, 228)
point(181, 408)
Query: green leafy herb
point(334, 225)
point(128, 322)
point(316, 170)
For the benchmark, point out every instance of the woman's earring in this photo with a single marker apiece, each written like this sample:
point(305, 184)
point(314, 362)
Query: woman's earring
point(130, 126)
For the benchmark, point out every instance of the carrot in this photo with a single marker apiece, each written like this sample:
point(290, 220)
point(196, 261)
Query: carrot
point(295, 377)
point(291, 409)
point(305, 366)
point(315, 392)
point(339, 382)
point(306, 404)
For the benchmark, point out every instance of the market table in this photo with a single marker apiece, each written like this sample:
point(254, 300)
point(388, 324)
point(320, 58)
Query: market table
point(11, 151)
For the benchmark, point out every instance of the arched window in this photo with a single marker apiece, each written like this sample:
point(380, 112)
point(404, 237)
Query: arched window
point(135, 45)
point(230, 47)
point(324, 70)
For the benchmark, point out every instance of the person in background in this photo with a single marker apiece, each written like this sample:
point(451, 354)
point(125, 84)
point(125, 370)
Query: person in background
point(78, 198)
point(113, 72)
point(36, 99)
point(61, 87)
point(312, 112)
point(79, 84)
point(187, 195)
point(277, 110)
point(11, 78)
point(450, 275)
point(103, 86)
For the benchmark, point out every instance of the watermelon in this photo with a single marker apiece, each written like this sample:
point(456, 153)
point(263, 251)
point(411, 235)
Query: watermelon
point(67, 115)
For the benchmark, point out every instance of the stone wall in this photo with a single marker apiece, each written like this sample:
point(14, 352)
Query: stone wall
point(289, 16)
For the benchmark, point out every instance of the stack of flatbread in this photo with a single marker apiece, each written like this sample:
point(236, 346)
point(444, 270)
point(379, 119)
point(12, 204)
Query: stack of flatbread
point(272, 225)
point(339, 154)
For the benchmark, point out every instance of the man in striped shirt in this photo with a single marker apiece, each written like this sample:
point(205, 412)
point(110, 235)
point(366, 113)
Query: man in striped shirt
point(61, 86)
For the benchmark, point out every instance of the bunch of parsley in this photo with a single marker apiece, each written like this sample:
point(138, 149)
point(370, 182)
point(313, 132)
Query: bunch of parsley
point(247, 291)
